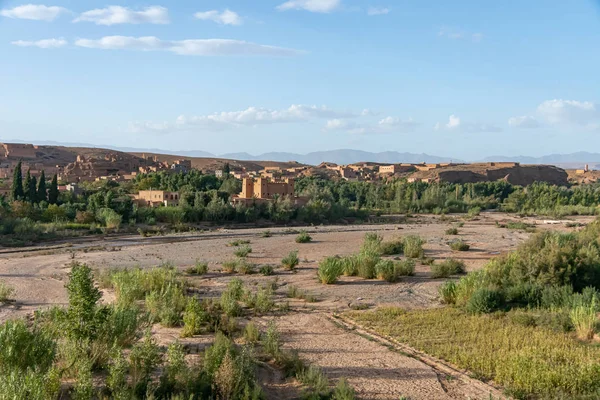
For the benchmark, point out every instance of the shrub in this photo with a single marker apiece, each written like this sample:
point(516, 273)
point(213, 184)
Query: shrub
point(350, 265)
point(303, 237)
point(405, 267)
point(330, 270)
point(238, 242)
point(392, 247)
point(584, 320)
point(144, 358)
point(251, 333)
point(450, 266)
point(244, 267)
point(5, 292)
point(229, 266)
point(266, 270)
point(413, 246)
point(266, 234)
point(448, 292)
point(343, 391)
point(452, 231)
point(200, 268)
point(484, 301)
point(264, 301)
point(372, 244)
point(367, 265)
point(271, 341)
point(166, 305)
point(122, 326)
point(231, 296)
point(242, 251)
point(386, 271)
point(22, 349)
point(194, 317)
point(459, 245)
point(84, 317)
point(291, 261)
point(315, 381)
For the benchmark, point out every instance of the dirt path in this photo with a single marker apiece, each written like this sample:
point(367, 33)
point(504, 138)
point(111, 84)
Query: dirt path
point(374, 370)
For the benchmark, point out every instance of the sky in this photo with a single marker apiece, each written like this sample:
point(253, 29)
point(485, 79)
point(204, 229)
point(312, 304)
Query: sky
point(464, 78)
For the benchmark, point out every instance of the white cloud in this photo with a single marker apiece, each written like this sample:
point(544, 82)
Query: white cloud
point(570, 112)
point(318, 6)
point(113, 15)
point(42, 44)
point(195, 47)
point(252, 116)
point(523, 122)
point(385, 125)
point(378, 11)
point(458, 34)
point(455, 124)
point(226, 17)
point(37, 12)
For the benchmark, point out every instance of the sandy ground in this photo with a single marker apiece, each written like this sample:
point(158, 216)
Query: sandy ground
point(39, 275)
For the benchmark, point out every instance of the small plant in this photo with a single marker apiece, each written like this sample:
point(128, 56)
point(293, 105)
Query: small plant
point(459, 245)
point(413, 246)
point(330, 270)
point(386, 271)
point(450, 266)
point(484, 301)
point(372, 244)
point(229, 266)
point(194, 317)
point(5, 292)
point(266, 234)
point(584, 320)
point(266, 270)
point(271, 341)
point(291, 261)
point(315, 381)
point(452, 231)
point(238, 243)
point(367, 265)
point(405, 267)
point(243, 251)
point(200, 268)
point(251, 333)
point(448, 292)
point(303, 237)
point(392, 247)
point(343, 391)
point(244, 267)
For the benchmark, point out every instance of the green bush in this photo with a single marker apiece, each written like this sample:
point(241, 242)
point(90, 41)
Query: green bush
point(167, 305)
point(386, 271)
point(446, 268)
point(405, 267)
point(392, 247)
point(303, 237)
point(484, 301)
point(452, 231)
point(317, 385)
point(266, 270)
point(22, 349)
point(448, 292)
point(291, 261)
point(194, 317)
point(413, 246)
point(350, 265)
point(245, 267)
point(343, 391)
point(242, 251)
point(584, 319)
point(251, 333)
point(6, 292)
point(367, 263)
point(372, 244)
point(330, 270)
point(229, 266)
point(459, 245)
point(200, 268)
point(238, 243)
point(266, 234)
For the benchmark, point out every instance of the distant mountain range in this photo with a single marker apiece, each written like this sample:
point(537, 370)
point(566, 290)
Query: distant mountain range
point(349, 156)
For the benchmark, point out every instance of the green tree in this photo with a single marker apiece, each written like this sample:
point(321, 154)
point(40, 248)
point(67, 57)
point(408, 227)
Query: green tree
point(53, 191)
point(26, 185)
point(32, 190)
point(41, 190)
point(17, 183)
point(83, 315)
point(226, 170)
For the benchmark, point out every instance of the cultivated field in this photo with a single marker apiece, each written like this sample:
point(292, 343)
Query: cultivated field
point(376, 367)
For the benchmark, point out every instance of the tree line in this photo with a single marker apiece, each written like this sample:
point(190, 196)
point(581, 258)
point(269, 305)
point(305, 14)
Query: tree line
point(31, 190)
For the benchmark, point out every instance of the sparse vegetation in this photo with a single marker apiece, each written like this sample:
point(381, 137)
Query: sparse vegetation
point(6, 292)
point(303, 237)
point(239, 242)
point(266, 270)
point(452, 231)
point(446, 268)
point(200, 268)
point(243, 251)
point(266, 234)
point(413, 246)
point(291, 261)
point(392, 247)
point(459, 245)
point(330, 270)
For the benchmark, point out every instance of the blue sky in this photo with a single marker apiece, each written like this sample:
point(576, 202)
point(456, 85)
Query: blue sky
point(466, 79)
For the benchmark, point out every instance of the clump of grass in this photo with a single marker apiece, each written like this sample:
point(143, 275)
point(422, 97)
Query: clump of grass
point(343, 391)
point(452, 231)
point(386, 271)
point(367, 265)
point(238, 243)
point(6, 292)
point(291, 261)
point(194, 317)
point(459, 245)
point(392, 247)
point(372, 244)
point(405, 267)
point(413, 246)
point(446, 268)
point(243, 266)
point(229, 266)
point(330, 270)
point(317, 385)
point(534, 362)
point(303, 237)
point(296, 293)
point(243, 251)
point(584, 320)
point(200, 268)
point(266, 234)
point(251, 333)
point(266, 270)
point(350, 265)
point(448, 292)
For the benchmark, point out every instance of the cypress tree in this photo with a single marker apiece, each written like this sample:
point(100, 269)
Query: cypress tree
point(17, 183)
point(41, 191)
point(27, 185)
point(32, 190)
point(53, 191)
